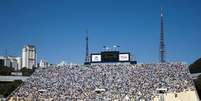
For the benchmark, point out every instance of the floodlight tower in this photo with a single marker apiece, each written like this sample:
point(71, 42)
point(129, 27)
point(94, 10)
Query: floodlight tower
point(87, 48)
point(162, 44)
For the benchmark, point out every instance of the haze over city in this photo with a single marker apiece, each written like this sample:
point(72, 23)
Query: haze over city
point(57, 29)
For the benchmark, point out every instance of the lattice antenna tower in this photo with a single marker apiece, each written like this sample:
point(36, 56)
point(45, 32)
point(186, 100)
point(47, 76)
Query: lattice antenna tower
point(87, 47)
point(162, 43)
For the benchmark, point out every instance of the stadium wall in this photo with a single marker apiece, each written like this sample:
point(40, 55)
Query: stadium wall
point(183, 96)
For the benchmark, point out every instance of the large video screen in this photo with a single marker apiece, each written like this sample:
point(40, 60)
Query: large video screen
point(110, 56)
point(124, 57)
point(96, 58)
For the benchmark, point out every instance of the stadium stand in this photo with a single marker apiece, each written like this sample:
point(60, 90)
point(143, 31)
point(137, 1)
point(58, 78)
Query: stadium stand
point(109, 82)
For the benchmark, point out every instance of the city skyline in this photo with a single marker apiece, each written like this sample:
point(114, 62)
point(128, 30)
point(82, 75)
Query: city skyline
point(57, 29)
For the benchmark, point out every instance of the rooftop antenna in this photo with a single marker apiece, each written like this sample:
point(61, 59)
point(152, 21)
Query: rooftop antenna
point(87, 47)
point(162, 45)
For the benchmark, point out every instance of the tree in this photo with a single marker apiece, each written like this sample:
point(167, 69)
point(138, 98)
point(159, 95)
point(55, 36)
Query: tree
point(26, 72)
point(6, 70)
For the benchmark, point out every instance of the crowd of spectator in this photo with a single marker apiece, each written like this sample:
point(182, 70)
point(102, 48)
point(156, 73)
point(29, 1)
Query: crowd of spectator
point(105, 82)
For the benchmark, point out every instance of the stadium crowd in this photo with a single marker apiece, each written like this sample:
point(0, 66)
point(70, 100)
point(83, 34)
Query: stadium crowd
point(105, 82)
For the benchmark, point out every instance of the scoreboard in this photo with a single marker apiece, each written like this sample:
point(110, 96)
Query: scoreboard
point(110, 56)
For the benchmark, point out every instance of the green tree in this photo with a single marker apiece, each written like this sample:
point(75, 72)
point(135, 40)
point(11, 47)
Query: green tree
point(6, 70)
point(26, 72)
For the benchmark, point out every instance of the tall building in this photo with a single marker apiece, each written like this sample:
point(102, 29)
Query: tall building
point(10, 62)
point(4, 61)
point(19, 63)
point(29, 56)
point(1, 61)
point(43, 63)
point(13, 62)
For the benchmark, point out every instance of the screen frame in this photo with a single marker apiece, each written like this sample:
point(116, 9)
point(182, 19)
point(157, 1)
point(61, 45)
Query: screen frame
point(124, 60)
point(129, 60)
point(95, 54)
point(114, 56)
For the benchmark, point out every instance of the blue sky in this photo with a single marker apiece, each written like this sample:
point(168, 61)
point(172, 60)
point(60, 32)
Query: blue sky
point(57, 28)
